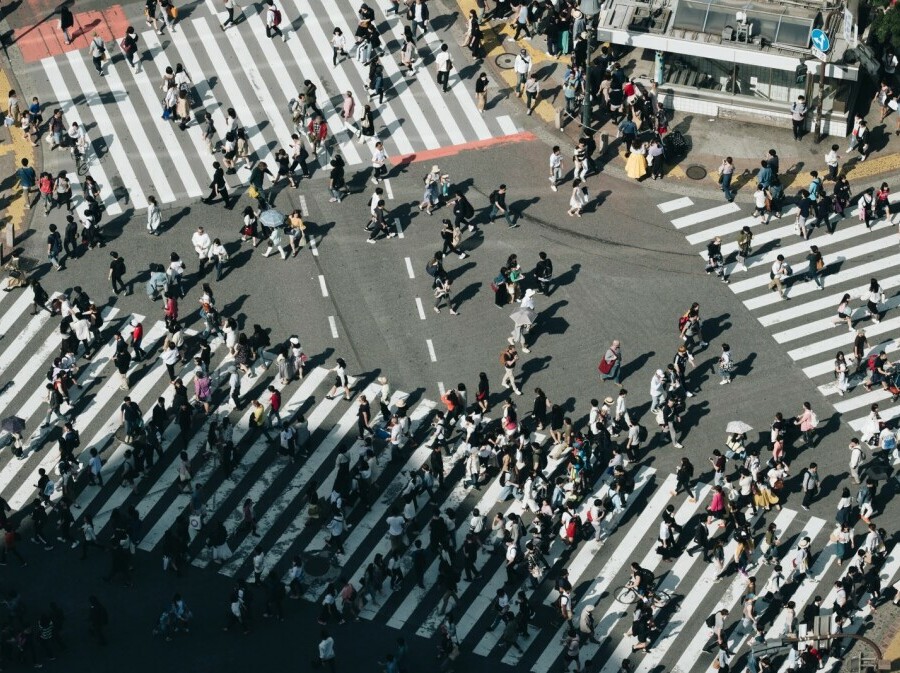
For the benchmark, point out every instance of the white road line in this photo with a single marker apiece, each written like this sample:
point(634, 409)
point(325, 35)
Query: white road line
point(409, 268)
point(396, 83)
point(116, 150)
point(254, 134)
point(70, 112)
point(333, 325)
point(875, 267)
point(388, 189)
point(507, 125)
point(843, 340)
point(888, 345)
point(145, 151)
point(602, 582)
point(295, 487)
point(838, 257)
point(675, 204)
point(194, 131)
point(441, 389)
point(829, 302)
point(398, 227)
point(691, 604)
point(705, 236)
point(323, 286)
point(312, 245)
point(673, 576)
point(431, 352)
point(304, 211)
point(373, 516)
point(421, 310)
point(705, 215)
point(828, 324)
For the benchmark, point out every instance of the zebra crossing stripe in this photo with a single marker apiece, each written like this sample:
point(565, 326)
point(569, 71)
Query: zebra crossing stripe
point(82, 422)
point(861, 271)
point(676, 204)
point(398, 86)
point(890, 568)
point(600, 585)
point(576, 567)
point(843, 340)
point(705, 215)
point(247, 118)
point(732, 595)
point(112, 463)
point(23, 339)
point(161, 61)
point(295, 487)
point(374, 515)
point(705, 236)
point(33, 403)
point(65, 101)
point(673, 576)
point(105, 126)
point(144, 151)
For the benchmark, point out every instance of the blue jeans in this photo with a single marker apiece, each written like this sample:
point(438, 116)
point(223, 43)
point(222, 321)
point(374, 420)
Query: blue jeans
point(726, 186)
point(520, 81)
point(615, 374)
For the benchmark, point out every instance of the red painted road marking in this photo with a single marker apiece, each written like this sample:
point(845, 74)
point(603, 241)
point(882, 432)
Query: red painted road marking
point(429, 155)
point(46, 39)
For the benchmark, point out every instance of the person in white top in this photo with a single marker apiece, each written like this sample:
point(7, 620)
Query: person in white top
point(831, 160)
point(229, 7)
point(443, 63)
point(379, 163)
point(555, 167)
point(202, 244)
point(338, 45)
point(522, 67)
point(273, 21)
point(778, 274)
point(759, 204)
point(726, 365)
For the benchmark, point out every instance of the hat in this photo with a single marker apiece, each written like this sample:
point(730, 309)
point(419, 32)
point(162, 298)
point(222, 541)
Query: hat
point(134, 322)
point(295, 341)
point(401, 403)
point(608, 400)
point(435, 169)
point(804, 543)
point(382, 380)
point(530, 292)
point(659, 372)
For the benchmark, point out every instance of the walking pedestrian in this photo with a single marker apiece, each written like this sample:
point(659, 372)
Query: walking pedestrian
point(611, 365)
point(509, 358)
point(117, 272)
point(798, 116)
point(497, 199)
point(218, 186)
point(273, 21)
point(726, 172)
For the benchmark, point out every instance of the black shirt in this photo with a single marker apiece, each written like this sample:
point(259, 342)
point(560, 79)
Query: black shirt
point(117, 266)
point(481, 84)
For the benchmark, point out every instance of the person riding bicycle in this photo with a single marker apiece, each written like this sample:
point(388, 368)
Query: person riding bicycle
point(642, 579)
point(77, 140)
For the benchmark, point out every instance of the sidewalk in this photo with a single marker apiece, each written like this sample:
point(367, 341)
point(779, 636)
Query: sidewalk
point(711, 139)
point(15, 219)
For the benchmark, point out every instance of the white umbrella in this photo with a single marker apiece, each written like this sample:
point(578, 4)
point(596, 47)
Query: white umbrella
point(737, 428)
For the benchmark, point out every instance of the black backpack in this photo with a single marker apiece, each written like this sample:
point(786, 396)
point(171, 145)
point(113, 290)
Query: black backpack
point(711, 621)
point(493, 197)
point(432, 269)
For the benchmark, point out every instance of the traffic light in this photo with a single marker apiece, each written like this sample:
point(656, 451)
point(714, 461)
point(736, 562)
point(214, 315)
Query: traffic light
point(800, 73)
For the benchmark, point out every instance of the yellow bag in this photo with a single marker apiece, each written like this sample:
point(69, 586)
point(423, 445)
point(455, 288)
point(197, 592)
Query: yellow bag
point(253, 192)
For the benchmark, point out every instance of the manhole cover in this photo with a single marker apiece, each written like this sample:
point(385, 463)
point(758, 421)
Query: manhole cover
point(318, 564)
point(505, 61)
point(696, 172)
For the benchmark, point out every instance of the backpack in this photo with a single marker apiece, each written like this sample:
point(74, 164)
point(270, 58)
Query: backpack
point(431, 269)
point(813, 419)
point(276, 17)
point(872, 362)
point(711, 621)
point(469, 210)
point(493, 197)
point(76, 439)
point(683, 320)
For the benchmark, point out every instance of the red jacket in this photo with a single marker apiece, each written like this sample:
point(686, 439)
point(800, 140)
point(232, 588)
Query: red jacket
point(137, 333)
point(275, 401)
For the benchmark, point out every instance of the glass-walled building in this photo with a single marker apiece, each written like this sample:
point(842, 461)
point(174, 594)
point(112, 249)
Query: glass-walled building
point(741, 60)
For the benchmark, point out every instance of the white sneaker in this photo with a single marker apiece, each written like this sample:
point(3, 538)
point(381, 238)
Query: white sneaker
point(526, 350)
point(724, 382)
point(553, 187)
point(679, 446)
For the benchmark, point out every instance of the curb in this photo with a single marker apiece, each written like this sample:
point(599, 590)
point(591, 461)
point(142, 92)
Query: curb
point(497, 34)
point(17, 217)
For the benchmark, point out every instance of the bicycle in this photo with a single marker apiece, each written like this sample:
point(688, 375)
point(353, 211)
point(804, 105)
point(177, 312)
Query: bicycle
point(81, 165)
point(628, 594)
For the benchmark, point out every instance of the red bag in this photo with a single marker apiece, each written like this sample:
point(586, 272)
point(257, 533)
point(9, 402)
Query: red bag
point(605, 366)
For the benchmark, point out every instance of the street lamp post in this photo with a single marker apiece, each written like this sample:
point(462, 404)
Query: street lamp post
point(590, 9)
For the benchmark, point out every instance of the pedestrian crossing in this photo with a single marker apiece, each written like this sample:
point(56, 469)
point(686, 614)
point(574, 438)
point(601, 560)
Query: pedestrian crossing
point(805, 323)
point(278, 488)
point(137, 154)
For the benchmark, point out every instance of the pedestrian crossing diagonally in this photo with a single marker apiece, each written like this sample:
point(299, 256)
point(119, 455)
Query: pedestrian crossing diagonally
point(137, 154)
point(805, 323)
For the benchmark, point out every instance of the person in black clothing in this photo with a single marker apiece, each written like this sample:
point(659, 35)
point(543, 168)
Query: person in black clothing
point(98, 618)
point(116, 273)
point(543, 273)
point(218, 186)
point(336, 183)
point(498, 206)
point(66, 21)
point(70, 239)
point(462, 211)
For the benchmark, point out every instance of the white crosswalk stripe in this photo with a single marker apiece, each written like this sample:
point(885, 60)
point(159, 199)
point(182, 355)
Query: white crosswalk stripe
point(279, 487)
point(807, 322)
point(122, 110)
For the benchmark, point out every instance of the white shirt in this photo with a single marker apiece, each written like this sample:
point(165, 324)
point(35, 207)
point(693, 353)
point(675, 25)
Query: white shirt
point(442, 60)
point(555, 161)
point(778, 268)
point(759, 198)
point(326, 648)
point(379, 157)
point(522, 65)
point(395, 525)
point(201, 243)
point(373, 202)
point(831, 159)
